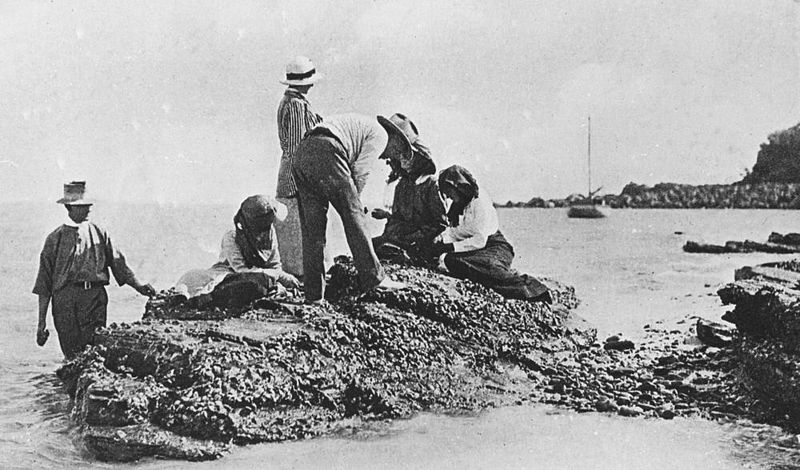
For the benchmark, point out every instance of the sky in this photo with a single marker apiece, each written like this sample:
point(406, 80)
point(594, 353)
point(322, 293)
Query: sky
point(175, 102)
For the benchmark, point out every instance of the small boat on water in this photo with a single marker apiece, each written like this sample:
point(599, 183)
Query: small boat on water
point(586, 208)
point(585, 211)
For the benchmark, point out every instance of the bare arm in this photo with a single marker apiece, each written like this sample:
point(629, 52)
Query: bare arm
point(41, 328)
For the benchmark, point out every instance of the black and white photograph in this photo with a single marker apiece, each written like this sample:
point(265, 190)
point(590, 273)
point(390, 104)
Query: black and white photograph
point(384, 234)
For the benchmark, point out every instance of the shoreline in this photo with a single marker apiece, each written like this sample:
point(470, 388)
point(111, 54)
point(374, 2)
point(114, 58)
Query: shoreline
point(683, 196)
point(670, 373)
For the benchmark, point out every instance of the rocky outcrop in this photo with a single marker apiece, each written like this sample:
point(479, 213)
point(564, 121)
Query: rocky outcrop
point(188, 384)
point(762, 195)
point(767, 315)
point(778, 159)
point(776, 243)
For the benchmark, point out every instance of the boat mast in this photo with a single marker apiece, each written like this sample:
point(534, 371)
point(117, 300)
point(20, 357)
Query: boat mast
point(589, 158)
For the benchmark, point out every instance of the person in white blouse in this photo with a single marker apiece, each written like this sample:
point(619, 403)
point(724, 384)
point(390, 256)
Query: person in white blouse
point(249, 263)
point(472, 247)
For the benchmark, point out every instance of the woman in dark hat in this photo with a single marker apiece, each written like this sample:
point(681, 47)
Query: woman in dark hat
point(249, 263)
point(472, 247)
point(418, 213)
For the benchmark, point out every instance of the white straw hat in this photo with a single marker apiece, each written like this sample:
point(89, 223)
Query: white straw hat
point(301, 71)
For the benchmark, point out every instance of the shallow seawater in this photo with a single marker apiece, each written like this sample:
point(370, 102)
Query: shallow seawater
point(514, 437)
point(628, 269)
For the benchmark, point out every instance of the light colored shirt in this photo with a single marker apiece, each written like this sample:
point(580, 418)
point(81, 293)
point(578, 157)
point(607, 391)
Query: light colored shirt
point(202, 281)
point(231, 259)
point(79, 253)
point(363, 139)
point(295, 118)
point(476, 225)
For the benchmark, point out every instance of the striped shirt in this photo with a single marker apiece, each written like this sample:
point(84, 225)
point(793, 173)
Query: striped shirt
point(295, 118)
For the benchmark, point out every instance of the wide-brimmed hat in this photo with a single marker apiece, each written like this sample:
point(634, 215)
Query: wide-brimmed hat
point(399, 124)
point(75, 194)
point(262, 210)
point(301, 71)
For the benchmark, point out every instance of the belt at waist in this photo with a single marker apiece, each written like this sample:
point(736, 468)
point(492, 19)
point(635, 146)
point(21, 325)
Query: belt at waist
point(87, 285)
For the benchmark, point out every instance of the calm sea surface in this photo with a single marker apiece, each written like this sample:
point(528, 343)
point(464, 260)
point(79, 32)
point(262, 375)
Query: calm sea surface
point(628, 269)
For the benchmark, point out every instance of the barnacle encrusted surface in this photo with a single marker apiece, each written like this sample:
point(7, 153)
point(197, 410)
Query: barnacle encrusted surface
point(185, 383)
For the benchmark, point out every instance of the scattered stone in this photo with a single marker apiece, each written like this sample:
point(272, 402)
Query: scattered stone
point(605, 405)
point(713, 334)
point(666, 413)
point(630, 411)
point(623, 345)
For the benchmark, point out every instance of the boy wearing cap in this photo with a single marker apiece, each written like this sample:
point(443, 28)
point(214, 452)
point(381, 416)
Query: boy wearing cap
point(295, 118)
point(73, 273)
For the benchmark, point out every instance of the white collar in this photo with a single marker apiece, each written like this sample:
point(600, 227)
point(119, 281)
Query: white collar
point(423, 179)
point(70, 223)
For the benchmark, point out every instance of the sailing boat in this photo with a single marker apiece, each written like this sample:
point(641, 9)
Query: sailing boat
point(586, 209)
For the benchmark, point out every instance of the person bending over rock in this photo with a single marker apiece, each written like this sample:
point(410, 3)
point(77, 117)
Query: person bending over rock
point(249, 265)
point(472, 247)
point(331, 166)
point(418, 213)
point(73, 273)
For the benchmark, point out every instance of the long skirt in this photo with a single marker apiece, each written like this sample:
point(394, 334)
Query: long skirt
point(491, 266)
point(290, 241)
point(239, 289)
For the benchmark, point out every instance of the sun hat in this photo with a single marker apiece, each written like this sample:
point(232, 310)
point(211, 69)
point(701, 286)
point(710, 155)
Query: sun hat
point(261, 210)
point(400, 125)
point(75, 194)
point(301, 71)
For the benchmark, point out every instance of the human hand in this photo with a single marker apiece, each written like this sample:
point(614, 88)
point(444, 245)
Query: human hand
point(422, 249)
point(379, 213)
point(145, 289)
point(288, 281)
point(438, 248)
point(42, 333)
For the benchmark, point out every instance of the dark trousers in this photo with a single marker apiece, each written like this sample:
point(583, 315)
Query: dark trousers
point(491, 266)
point(239, 289)
point(77, 313)
point(323, 177)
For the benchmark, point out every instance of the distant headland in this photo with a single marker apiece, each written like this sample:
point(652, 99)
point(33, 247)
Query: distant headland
point(773, 183)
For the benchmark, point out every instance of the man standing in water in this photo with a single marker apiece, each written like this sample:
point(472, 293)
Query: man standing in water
point(295, 118)
point(73, 273)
